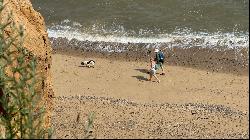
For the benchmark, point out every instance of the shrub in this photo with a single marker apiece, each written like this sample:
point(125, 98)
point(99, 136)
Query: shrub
point(20, 112)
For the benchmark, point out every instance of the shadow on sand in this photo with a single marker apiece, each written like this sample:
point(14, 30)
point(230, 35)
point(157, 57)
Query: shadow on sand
point(141, 78)
point(143, 70)
point(85, 66)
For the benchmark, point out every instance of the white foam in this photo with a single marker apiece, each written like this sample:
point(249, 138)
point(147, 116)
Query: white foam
point(177, 38)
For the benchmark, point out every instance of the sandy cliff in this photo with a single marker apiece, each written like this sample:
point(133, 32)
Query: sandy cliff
point(36, 40)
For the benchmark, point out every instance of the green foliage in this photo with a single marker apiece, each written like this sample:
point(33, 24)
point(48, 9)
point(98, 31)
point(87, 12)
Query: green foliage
point(88, 131)
point(21, 115)
point(88, 127)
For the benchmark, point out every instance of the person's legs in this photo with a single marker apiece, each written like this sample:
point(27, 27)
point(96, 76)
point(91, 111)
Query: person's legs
point(162, 69)
point(150, 75)
point(153, 73)
point(157, 78)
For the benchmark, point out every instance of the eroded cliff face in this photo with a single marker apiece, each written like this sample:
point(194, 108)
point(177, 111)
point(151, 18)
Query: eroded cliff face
point(36, 40)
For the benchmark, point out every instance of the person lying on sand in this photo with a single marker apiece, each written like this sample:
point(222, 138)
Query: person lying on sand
point(152, 71)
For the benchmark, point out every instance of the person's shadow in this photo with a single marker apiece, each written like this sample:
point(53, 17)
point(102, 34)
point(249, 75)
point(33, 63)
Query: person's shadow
point(143, 70)
point(141, 78)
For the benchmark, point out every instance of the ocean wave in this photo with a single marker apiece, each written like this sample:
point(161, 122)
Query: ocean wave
point(214, 51)
point(179, 38)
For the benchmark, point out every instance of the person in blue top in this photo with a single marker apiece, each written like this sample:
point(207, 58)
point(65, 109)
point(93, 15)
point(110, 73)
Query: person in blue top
point(159, 58)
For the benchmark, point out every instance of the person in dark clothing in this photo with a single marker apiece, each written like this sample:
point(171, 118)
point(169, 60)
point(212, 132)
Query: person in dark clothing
point(159, 58)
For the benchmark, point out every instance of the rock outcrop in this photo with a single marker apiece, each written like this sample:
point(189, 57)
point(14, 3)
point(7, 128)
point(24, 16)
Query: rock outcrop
point(36, 40)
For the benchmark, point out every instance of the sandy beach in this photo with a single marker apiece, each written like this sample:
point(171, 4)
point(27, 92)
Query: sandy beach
point(204, 93)
point(187, 103)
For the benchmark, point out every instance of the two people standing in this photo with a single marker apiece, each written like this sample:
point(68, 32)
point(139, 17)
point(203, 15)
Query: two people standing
point(155, 64)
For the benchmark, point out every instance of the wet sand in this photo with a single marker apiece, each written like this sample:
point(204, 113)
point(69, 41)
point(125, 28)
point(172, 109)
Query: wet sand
point(214, 58)
point(187, 103)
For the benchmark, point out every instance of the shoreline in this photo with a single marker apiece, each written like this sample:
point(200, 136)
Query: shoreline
point(126, 57)
point(216, 59)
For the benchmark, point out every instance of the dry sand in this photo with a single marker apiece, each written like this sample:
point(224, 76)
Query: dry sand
point(187, 103)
